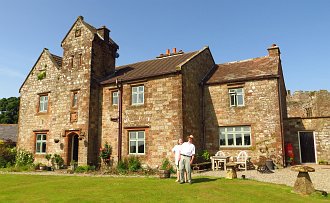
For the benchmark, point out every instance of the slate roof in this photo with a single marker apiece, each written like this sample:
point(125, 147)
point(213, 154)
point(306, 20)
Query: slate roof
point(57, 59)
point(8, 132)
point(256, 68)
point(150, 68)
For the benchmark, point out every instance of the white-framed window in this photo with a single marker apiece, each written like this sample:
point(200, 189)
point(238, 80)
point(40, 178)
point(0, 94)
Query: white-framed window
point(138, 95)
point(115, 98)
point(41, 143)
point(75, 99)
point(136, 142)
point(237, 136)
point(236, 97)
point(43, 103)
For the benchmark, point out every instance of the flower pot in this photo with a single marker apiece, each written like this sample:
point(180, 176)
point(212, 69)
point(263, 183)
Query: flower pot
point(49, 168)
point(42, 168)
point(270, 164)
point(164, 174)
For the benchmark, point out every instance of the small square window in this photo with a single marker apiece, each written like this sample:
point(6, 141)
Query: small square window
point(75, 99)
point(137, 142)
point(138, 95)
point(115, 98)
point(236, 97)
point(43, 103)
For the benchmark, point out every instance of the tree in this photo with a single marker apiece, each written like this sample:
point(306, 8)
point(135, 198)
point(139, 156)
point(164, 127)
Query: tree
point(9, 110)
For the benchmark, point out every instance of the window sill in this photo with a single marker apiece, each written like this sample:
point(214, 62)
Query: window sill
point(42, 113)
point(235, 148)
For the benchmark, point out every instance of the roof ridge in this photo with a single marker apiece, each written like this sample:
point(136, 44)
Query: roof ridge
point(156, 59)
point(244, 60)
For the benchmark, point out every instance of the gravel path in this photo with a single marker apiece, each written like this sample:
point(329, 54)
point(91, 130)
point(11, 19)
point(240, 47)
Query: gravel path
point(320, 178)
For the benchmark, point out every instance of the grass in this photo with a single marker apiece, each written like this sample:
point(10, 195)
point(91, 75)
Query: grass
point(38, 188)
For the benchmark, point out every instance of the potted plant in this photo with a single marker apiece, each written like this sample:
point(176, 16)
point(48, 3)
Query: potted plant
point(48, 157)
point(165, 169)
point(264, 149)
point(58, 160)
point(73, 165)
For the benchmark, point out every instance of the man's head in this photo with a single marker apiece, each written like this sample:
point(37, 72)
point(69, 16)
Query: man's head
point(190, 138)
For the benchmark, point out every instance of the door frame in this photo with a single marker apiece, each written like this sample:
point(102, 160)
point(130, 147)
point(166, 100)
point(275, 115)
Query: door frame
point(315, 154)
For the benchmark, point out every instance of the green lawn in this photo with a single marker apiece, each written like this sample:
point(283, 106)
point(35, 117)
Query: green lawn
point(37, 188)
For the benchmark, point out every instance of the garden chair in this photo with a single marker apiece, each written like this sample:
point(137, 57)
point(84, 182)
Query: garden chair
point(219, 158)
point(242, 160)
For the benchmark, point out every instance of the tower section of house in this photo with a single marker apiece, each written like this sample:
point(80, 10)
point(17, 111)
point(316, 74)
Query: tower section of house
point(307, 128)
point(157, 108)
point(245, 106)
point(59, 109)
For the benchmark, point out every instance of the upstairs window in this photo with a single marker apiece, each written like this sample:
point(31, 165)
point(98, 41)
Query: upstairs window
point(238, 136)
point(236, 97)
point(41, 143)
point(309, 112)
point(136, 142)
point(43, 103)
point(75, 100)
point(115, 98)
point(138, 95)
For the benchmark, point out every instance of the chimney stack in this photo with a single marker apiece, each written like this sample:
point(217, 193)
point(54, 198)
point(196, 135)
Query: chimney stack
point(168, 52)
point(274, 50)
point(174, 51)
point(104, 32)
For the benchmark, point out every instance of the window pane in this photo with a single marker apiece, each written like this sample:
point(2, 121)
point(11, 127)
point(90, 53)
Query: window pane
point(43, 147)
point(38, 147)
point(222, 139)
point(230, 129)
point(132, 148)
point(140, 146)
point(246, 128)
point(247, 139)
point(230, 139)
point(238, 129)
point(140, 98)
point(232, 100)
point(239, 139)
point(43, 137)
point(240, 90)
point(141, 88)
point(222, 130)
point(132, 136)
point(134, 89)
point(141, 135)
point(134, 99)
point(240, 100)
point(38, 137)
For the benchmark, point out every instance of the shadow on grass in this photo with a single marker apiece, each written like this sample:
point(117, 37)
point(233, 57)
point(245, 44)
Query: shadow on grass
point(202, 180)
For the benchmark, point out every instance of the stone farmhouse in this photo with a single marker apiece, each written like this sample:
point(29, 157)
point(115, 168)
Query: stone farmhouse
point(74, 104)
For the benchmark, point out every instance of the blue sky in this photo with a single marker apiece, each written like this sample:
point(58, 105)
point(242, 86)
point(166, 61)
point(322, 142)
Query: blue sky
point(234, 30)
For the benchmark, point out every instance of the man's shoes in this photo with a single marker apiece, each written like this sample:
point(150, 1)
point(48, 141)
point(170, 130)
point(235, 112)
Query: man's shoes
point(190, 182)
point(181, 182)
point(177, 180)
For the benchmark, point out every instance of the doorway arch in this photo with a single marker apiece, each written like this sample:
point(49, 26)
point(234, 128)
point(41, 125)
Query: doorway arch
point(73, 147)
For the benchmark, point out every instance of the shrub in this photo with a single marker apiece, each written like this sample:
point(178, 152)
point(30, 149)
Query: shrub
point(84, 169)
point(58, 159)
point(105, 153)
point(134, 163)
point(166, 165)
point(206, 155)
point(7, 154)
point(24, 158)
point(122, 166)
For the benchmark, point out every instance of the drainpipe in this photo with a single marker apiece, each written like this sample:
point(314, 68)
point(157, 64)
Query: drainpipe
point(203, 117)
point(120, 110)
point(279, 90)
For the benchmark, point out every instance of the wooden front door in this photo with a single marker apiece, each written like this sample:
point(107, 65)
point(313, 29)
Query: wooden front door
point(307, 147)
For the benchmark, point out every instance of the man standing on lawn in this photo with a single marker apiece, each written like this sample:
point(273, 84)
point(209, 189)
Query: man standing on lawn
point(187, 158)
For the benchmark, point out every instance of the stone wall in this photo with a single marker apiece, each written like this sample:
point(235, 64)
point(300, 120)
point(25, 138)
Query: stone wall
point(193, 73)
point(302, 101)
point(60, 84)
point(261, 111)
point(160, 116)
point(321, 129)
